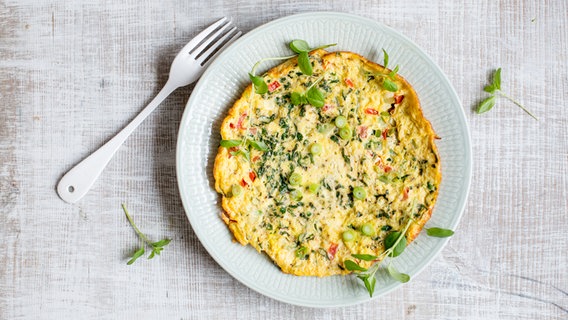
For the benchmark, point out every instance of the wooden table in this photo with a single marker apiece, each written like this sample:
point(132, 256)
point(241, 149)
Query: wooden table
point(72, 74)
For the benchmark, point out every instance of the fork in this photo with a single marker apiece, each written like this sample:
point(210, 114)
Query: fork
point(186, 68)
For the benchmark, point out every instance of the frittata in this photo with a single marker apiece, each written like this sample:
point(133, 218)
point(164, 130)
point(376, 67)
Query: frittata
point(310, 186)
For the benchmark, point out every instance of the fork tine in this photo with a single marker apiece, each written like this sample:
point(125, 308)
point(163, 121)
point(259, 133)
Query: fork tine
point(203, 34)
point(209, 40)
point(219, 45)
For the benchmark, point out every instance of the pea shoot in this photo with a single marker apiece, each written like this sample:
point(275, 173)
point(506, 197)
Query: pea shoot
point(156, 247)
point(395, 243)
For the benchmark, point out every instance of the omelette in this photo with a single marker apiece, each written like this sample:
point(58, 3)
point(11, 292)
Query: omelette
point(310, 182)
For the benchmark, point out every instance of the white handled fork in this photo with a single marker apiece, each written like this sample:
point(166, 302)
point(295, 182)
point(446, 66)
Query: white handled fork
point(186, 68)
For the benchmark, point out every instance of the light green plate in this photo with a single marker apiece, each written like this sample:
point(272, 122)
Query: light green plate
point(222, 84)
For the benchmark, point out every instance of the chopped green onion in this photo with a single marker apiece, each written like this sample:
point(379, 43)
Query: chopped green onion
point(296, 195)
point(295, 179)
point(348, 236)
point(325, 128)
point(315, 149)
point(313, 187)
point(367, 229)
point(345, 133)
point(236, 190)
point(359, 193)
point(340, 121)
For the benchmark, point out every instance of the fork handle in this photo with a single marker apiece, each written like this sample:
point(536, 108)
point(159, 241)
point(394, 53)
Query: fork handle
point(79, 180)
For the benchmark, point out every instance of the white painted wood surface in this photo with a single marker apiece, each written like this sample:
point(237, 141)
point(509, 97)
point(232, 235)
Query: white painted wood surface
point(72, 74)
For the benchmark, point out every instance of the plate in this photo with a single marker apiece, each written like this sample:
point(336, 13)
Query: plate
point(223, 82)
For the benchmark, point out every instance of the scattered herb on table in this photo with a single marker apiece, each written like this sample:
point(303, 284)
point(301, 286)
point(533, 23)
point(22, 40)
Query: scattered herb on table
point(156, 247)
point(495, 90)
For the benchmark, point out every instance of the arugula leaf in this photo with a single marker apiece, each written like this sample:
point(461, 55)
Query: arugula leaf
point(439, 232)
point(385, 59)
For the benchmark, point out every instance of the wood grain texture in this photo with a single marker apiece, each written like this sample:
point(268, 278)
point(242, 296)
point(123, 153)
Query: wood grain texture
point(73, 74)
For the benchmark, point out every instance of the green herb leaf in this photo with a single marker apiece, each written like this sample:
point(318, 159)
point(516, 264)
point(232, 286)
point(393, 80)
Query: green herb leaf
point(490, 88)
point(393, 73)
point(299, 46)
point(315, 97)
point(439, 232)
point(161, 243)
point(296, 98)
point(157, 246)
point(137, 254)
point(497, 79)
point(258, 145)
point(352, 266)
point(390, 241)
point(398, 276)
point(365, 257)
point(369, 281)
point(486, 105)
point(385, 58)
point(305, 64)
point(230, 143)
point(324, 46)
point(260, 86)
point(389, 85)
point(241, 152)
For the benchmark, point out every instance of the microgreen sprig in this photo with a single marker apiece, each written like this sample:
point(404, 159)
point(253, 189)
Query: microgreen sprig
point(395, 243)
point(312, 96)
point(388, 79)
point(258, 82)
point(156, 247)
point(302, 48)
point(495, 90)
point(244, 147)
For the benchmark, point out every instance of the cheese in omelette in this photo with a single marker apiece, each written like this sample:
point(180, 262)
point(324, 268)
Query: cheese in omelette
point(311, 186)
